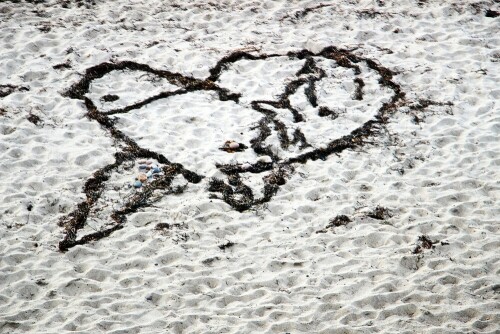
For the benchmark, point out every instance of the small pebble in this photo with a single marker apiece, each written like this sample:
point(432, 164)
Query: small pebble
point(149, 174)
point(143, 166)
point(156, 170)
point(149, 162)
point(265, 159)
point(141, 162)
point(142, 177)
point(137, 184)
point(234, 145)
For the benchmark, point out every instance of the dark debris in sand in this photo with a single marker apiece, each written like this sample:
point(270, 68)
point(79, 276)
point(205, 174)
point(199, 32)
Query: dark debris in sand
point(34, 119)
point(380, 213)
point(6, 90)
point(424, 242)
point(340, 220)
point(109, 98)
point(226, 245)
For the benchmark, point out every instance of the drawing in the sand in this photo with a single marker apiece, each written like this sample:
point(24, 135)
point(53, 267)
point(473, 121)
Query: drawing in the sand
point(310, 106)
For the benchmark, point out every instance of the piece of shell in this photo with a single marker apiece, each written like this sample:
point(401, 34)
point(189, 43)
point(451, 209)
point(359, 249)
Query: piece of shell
point(234, 145)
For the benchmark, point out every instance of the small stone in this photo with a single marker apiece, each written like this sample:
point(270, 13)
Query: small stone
point(149, 162)
point(234, 145)
point(137, 184)
point(142, 162)
point(156, 170)
point(265, 159)
point(143, 166)
point(149, 174)
point(142, 177)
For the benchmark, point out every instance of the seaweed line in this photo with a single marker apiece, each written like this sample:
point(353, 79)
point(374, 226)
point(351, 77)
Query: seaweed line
point(235, 193)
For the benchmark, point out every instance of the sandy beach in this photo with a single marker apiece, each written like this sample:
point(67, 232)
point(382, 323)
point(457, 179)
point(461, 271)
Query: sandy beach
point(249, 166)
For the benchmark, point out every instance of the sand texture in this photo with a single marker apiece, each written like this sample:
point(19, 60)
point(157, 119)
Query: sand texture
point(305, 166)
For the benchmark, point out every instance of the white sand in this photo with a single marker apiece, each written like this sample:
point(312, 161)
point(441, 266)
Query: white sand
point(438, 174)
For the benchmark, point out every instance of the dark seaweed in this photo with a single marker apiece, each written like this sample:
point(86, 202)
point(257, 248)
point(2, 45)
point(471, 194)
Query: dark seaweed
point(380, 213)
point(340, 220)
point(109, 98)
point(226, 245)
point(34, 119)
point(492, 13)
point(6, 90)
point(423, 243)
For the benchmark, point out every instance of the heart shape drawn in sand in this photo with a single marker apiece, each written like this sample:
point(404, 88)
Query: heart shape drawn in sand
point(253, 115)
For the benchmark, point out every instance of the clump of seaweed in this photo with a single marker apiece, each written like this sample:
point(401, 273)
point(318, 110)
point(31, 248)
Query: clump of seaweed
point(325, 111)
point(358, 95)
point(380, 213)
point(6, 90)
point(340, 220)
point(423, 243)
point(109, 98)
point(492, 13)
point(226, 245)
point(210, 261)
point(216, 185)
point(62, 66)
point(34, 119)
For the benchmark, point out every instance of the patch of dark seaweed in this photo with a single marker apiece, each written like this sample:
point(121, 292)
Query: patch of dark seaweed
point(492, 13)
point(340, 220)
point(304, 12)
point(309, 67)
point(299, 138)
point(277, 177)
point(281, 129)
point(424, 243)
point(62, 66)
point(358, 95)
point(6, 90)
point(226, 245)
point(380, 213)
point(167, 226)
point(325, 111)
point(217, 185)
point(34, 119)
point(109, 98)
point(210, 261)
